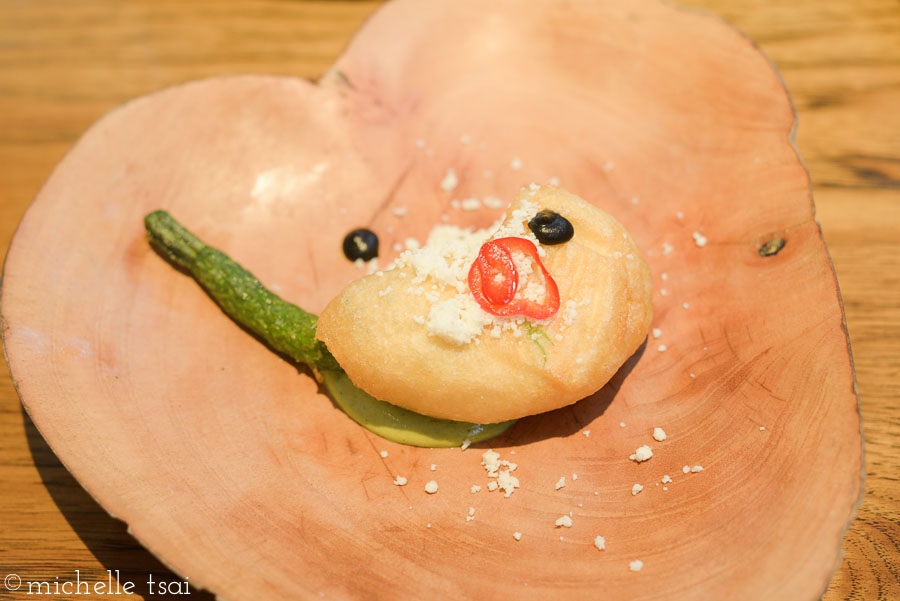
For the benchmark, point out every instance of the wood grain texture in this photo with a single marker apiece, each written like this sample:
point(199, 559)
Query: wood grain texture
point(61, 68)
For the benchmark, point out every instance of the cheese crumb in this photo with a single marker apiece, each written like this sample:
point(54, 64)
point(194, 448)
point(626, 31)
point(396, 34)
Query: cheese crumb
point(400, 211)
point(659, 434)
point(492, 485)
point(636, 489)
point(516, 163)
point(470, 204)
point(450, 181)
point(697, 468)
point(657, 332)
point(642, 454)
point(465, 444)
point(664, 276)
point(433, 467)
point(400, 480)
point(431, 487)
point(475, 488)
point(458, 319)
point(762, 428)
point(517, 535)
point(699, 239)
point(667, 248)
point(492, 202)
point(587, 433)
point(621, 424)
point(685, 305)
point(600, 543)
point(560, 483)
point(686, 469)
point(564, 521)
point(661, 348)
point(666, 479)
point(383, 454)
point(574, 477)
point(507, 482)
point(635, 566)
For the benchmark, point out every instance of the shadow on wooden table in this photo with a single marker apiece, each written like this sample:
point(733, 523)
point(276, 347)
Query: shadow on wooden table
point(105, 536)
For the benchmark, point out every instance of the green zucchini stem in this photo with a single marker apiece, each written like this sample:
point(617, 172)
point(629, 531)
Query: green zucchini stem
point(284, 326)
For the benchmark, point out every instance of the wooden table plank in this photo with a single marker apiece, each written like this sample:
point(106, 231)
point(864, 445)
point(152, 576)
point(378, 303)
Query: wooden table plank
point(63, 64)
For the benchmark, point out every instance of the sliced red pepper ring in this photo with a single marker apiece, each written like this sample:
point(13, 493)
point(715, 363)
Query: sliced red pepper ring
point(498, 276)
point(493, 280)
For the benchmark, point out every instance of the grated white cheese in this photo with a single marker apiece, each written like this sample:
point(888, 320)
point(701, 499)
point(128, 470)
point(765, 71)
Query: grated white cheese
point(516, 163)
point(699, 239)
point(565, 521)
point(666, 479)
point(621, 424)
point(400, 211)
point(762, 428)
point(560, 483)
point(642, 453)
point(507, 482)
point(470, 204)
point(450, 181)
point(475, 488)
point(635, 566)
point(661, 348)
point(574, 477)
point(400, 480)
point(457, 320)
point(685, 305)
point(599, 542)
point(659, 434)
point(431, 487)
point(697, 468)
point(636, 489)
point(383, 454)
point(587, 433)
point(667, 248)
point(517, 535)
point(686, 469)
point(657, 332)
point(492, 202)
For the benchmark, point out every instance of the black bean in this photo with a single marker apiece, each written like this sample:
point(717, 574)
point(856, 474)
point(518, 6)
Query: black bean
point(549, 227)
point(361, 244)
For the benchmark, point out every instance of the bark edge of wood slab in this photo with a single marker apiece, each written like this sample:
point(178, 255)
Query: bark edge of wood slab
point(129, 373)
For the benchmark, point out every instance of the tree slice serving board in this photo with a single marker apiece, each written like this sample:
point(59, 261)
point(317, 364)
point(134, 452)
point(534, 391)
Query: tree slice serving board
point(236, 470)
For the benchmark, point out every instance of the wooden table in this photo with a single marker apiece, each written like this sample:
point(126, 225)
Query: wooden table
point(63, 64)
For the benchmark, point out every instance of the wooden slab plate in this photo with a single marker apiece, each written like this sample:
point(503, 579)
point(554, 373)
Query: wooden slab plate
point(233, 467)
